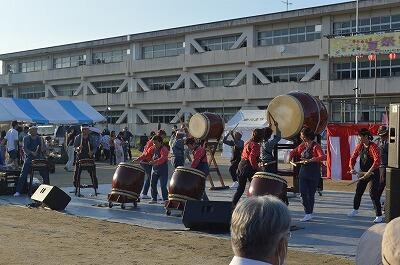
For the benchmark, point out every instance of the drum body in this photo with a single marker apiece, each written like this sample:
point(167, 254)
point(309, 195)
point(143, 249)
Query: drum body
point(86, 163)
point(128, 181)
point(264, 183)
point(186, 184)
point(206, 126)
point(295, 110)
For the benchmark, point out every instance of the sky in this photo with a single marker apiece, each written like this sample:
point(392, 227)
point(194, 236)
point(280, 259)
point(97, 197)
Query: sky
point(32, 24)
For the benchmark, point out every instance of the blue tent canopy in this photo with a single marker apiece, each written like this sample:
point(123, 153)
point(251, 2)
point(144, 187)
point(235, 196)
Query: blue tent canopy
point(46, 111)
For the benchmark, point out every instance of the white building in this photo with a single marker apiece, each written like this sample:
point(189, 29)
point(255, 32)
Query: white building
point(164, 76)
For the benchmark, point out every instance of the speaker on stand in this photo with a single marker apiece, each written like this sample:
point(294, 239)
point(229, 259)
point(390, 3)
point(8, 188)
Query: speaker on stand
point(392, 189)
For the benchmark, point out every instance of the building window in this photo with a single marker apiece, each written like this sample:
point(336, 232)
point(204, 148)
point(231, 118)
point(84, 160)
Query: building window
point(66, 90)
point(227, 113)
point(373, 24)
point(112, 115)
point(31, 92)
point(69, 61)
point(384, 68)
point(287, 74)
point(12, 68)
point(218, 43)
point(108, 57)
point(163, 50)
point(219, 79)
point(289, 35)
point(107, 86)
point(162, 83)
point(33, 66)
point(160, 116)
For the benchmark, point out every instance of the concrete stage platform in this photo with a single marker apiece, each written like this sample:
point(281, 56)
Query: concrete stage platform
point(331, 231)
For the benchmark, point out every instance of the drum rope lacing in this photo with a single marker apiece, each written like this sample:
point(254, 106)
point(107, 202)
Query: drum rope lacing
point(270, 177)
point(130, 194)
point(183, 198)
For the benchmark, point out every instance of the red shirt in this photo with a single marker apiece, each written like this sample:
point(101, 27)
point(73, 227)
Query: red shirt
point(147, 154)
point(373, 151)
point(251, 152)
point(199, 155)
point(317, 153)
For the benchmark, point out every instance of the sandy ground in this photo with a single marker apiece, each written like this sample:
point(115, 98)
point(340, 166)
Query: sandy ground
point(39, 236)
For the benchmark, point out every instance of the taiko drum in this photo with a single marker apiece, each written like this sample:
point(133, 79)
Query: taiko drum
point(186, 184)
point(128, 180)
point(206, 126)
point(264, 183)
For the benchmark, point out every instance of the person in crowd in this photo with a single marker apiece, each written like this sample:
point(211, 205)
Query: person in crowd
point(12, 144)
point(113, 159)
point(267, 148)
point(21, 136)
point(248, 165)
point(260, 231)
point(310, 171)
point(187, 150)
point(147, 167)
point(199, 161)
point(119, 150)
point(85, 149)
point(3, 147)
point(105, 143)
point(370, 160)
point(33, 149)
point(383, 145)
point(127, 136)
point(70, 149)
point(237, 145)
point(178, 148)
point(158, 154)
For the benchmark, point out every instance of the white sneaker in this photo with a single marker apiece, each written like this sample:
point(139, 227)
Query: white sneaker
point(378, 219)
point(145, 197)
point(17, 194)
point(353, 213)
point(235, 185)
point(306, 218)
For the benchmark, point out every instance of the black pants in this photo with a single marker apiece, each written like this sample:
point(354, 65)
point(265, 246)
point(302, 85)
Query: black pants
point(113, 158)
point(244, 172)
point(373, 192)
point(382, 185)
point(308, 187)
point(233, 168)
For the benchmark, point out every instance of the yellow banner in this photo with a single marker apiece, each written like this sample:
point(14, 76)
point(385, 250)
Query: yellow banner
point(365, 44)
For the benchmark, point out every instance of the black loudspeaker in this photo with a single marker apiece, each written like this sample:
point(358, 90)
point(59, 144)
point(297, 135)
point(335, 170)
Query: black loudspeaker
point(214, 216)
point(394, 136)
point(392, 203)
point(51, 196)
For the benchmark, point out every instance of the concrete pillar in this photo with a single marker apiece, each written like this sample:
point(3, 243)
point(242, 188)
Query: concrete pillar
point(136, 51)
point(89, 56)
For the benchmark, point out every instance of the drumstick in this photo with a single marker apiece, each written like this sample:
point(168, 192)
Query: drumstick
point(361, 176)
point(269, 163)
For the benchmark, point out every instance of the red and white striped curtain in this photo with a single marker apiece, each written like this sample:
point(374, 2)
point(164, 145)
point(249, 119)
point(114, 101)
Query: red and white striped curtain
point(341, 141)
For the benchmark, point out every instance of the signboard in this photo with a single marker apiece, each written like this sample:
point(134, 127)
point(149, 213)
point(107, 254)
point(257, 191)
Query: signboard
point(365, 44)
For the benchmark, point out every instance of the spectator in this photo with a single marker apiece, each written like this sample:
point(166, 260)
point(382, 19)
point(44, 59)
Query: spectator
point(178, 147)
point(112, 149)
point(147, 167)
point(70, 149)
point(127, 136)
point(237, 145)
point(3, 146)
point(12, 144)
point(391, 242)
point(105, 143)
point(260, 231)
point(119, 150)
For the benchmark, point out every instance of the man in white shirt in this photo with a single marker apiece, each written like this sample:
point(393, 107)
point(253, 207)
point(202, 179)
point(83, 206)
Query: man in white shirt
point(260, 231)
point(12, 144)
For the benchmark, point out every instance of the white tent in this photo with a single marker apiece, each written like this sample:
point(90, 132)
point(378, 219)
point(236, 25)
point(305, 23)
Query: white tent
point(244, 121)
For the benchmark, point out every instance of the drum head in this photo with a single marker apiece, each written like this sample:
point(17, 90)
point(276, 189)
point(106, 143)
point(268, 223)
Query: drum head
point(191, 170)
point(270, 176)
point(130, 165)
point(199, 126)
point(288, 113)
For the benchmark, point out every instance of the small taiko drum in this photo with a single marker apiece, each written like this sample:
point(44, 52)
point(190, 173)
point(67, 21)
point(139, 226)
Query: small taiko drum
point(127, 183)
point(295, 110)
point(40, 164)
point(264, 183)
point(186, 184)
point(206, 126)
point(86, 163)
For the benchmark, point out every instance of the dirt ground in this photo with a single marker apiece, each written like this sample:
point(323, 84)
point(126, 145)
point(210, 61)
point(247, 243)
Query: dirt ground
point(39, 236)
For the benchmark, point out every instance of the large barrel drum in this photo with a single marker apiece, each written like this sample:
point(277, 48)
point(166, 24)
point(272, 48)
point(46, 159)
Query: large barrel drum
point(264, 183)
point(186, 184)
point(295, 110)
point(206, 126)
point(127, 181)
